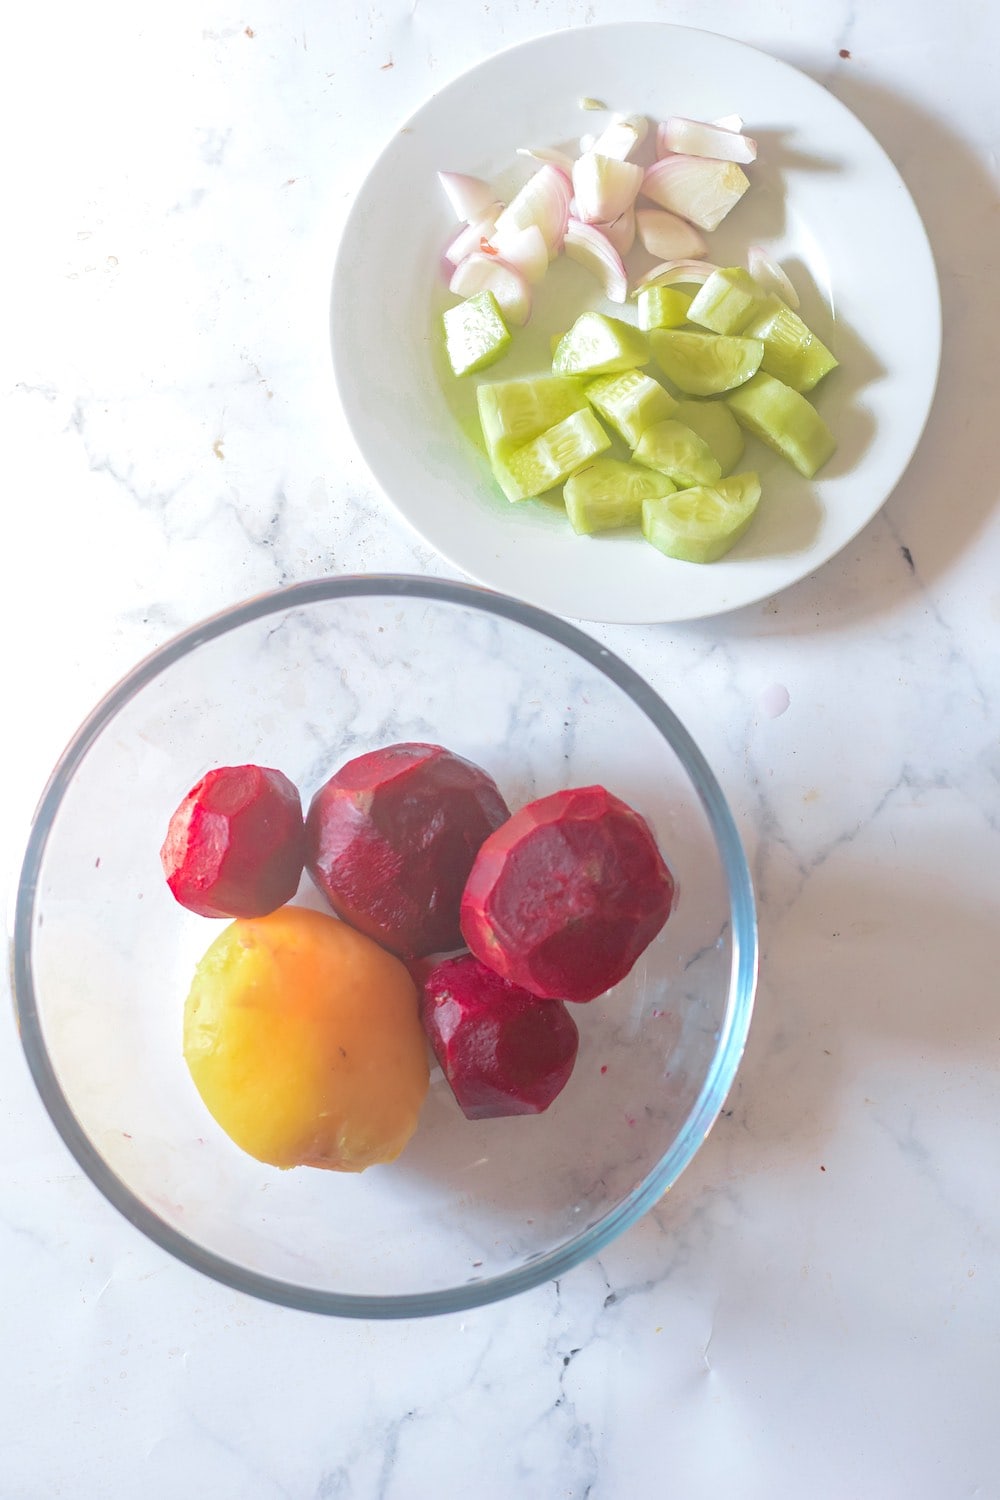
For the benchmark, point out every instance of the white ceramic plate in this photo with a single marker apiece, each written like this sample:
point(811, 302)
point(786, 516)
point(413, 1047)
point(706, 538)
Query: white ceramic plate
point(824, 198)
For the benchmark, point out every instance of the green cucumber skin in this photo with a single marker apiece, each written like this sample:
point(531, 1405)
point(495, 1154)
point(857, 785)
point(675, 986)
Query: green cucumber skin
point(727, 301)
point(793, 354)
point(662, 307)
point(715, 423)
point(785, 420)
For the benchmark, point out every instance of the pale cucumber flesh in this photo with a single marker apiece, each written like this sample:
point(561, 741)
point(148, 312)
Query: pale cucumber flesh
point(662, 307)
point(784, 420)
point(607, 494)
point(681, 454)
point(792, 352)
point(727, 301)
point(475, 334)
point(740, 489)
point(702, 523)
point(512, 412)
point(599, 345)
point(551, 457)
point(704, 364)
point(715, 423)
point(630, 402)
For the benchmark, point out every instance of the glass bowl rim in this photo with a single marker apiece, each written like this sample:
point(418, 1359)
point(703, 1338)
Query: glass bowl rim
point(711, 1096)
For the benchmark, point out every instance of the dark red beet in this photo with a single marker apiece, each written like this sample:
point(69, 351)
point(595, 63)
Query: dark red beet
point(564, 897)
point(236, 845)
point(390, 841)
point(503, 1051)
point(419, 968)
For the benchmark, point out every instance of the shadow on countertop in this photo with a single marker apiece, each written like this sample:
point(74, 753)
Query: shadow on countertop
point(870, 1063)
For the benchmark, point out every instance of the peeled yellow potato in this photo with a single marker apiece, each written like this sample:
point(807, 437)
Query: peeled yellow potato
point(304, 1040)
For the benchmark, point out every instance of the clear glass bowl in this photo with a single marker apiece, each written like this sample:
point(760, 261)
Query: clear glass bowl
point(302, 679)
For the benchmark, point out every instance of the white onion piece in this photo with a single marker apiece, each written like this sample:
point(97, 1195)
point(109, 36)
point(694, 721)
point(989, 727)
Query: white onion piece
point(620, 137)
point(470, 238)
point(638, 123)
point(621, 231)
point(729, 122)
point(470, 197)
point(770, 275)
point(587, 142)
point(524, 249)
point(549, 154)
point(585, 244)
point(666, 236)
point(488, 273)
point(544, 200)
point(695, 187)
point(604, 187)
point(671, 272)
point(695, 138)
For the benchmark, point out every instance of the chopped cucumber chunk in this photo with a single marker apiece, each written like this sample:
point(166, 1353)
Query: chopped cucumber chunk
point(784, 420)
point(705, 364)
point(740, 487)
point(512, 412)
point(599, 345)
point(630, 402)
point(792, 352)
point(551, 457)
point(727, 301)
point(713, 421)
point(608, 494)
point(679, 453)
point(662, 307)
point(702, 523)
point(475, 334)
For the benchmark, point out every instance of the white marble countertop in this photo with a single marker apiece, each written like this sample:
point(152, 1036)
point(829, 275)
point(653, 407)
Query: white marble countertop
point(815, 1310)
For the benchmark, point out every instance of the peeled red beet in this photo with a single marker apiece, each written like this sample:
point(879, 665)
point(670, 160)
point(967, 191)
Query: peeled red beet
point(236, 845)
point(503, 1051)
point(564, 897)
point(390, 841)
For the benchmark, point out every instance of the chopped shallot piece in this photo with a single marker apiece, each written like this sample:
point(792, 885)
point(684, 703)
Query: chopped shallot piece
point(673, 272)
point(543, 200)
point(586, 244)
point(604, 187)
point(667, 236)
point(470, 237)
point(524, 249)
point(620, 138)
point(695, 138)
point(770, 275)
point(695, 187)
point(488, 273)
point(621, 231)
point(470, 197)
